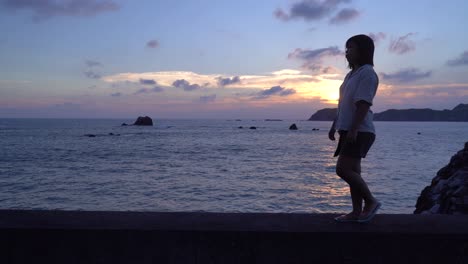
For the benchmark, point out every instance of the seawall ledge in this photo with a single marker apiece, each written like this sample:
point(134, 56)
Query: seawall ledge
point(35, 236)
point(250, 222)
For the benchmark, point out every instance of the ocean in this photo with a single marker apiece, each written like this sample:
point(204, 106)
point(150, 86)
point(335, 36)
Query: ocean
point(211, 165)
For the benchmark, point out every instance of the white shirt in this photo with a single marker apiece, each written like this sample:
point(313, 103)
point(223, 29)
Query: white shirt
point(359, 85)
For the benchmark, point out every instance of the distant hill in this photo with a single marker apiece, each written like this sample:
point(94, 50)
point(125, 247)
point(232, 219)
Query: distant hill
point(327, 114)
point(459, 114)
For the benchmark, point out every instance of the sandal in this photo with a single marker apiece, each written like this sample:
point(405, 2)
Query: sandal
point(371, 214)
point(346, 219)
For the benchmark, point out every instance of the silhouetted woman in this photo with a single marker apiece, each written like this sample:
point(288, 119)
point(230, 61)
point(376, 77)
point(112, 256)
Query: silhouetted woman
point(355, 126)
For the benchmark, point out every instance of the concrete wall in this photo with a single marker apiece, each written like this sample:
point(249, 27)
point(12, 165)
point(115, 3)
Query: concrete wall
point(136, 237)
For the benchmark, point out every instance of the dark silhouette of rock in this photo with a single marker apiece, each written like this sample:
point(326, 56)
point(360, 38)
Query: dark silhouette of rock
point(124, 124)
point(90, 135)
point(458, 114)
point(315, 129)
point(448, 192)
point(241, 127)
point(252, 127)
point(293, 127)
point(327, 114)
point(143, 121)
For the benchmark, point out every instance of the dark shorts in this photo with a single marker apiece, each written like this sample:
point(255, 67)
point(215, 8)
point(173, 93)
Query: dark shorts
point(357, 149)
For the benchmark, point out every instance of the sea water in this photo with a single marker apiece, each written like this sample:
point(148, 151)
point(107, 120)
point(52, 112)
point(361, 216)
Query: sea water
point(211, 165)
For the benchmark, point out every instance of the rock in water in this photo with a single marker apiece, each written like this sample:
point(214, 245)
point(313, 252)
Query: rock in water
point(293, 127)
point(143, 121)
point(448, 192)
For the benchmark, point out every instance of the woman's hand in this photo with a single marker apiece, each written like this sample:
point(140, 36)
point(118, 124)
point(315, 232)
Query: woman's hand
point(331, 134)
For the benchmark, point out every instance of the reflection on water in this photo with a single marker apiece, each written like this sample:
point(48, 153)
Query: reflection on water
point(183, 165)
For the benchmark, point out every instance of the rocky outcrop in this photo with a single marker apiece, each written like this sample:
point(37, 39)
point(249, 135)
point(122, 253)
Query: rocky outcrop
point(293, 127)
point(457, 114)
point(448, 192)
point(327, 114)
point(100, 135)
point(143, 121)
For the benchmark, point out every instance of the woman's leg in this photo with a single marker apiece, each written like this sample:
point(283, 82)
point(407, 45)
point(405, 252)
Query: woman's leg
point(356, 196)
point(349, 169)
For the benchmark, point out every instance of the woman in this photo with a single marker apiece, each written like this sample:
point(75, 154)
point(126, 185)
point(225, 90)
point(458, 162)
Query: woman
point(355, 126)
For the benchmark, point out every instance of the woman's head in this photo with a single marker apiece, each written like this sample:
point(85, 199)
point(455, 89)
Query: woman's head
point(359, 51)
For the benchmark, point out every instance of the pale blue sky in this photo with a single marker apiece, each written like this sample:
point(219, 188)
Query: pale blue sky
point(49, 51)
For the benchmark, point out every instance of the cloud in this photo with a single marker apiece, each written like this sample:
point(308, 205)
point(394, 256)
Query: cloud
point(460, 61)
point(406, 75)
point(313, 59)
point(227, 81)
point(330, 70)
point(116, 94)
point(155, 89)
point(92, 63)
point(141, 91)
point(147, 82)
point(67, 106)
point(275, 90)
point(152, 44)
point(280, 14)
point(91, 74)
point(44, 9)
point(286, 72)
point(208, 98)
point(306, 84)
point(402, 45)
point(345, 15)
point(377, 37)
point(185, 85)
point(315, 10)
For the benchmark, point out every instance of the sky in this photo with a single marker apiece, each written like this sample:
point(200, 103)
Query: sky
point(223, 59)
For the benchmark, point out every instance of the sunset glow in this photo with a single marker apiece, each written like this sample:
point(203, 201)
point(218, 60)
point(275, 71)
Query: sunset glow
point(125, 58)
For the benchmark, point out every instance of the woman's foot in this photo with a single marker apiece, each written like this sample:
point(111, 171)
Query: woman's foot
point(370, 209)
point(351, 217)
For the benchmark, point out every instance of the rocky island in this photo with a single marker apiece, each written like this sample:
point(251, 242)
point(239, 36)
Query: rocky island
point(142, 121)
point(457, 114)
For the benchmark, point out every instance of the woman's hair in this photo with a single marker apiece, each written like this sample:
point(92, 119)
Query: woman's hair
point(365, 46)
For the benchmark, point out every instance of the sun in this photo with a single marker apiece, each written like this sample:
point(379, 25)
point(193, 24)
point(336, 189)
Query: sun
point(326, 90)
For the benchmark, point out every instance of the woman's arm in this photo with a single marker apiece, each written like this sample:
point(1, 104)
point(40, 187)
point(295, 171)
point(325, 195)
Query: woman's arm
point(331, 133)
point(362, 108)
